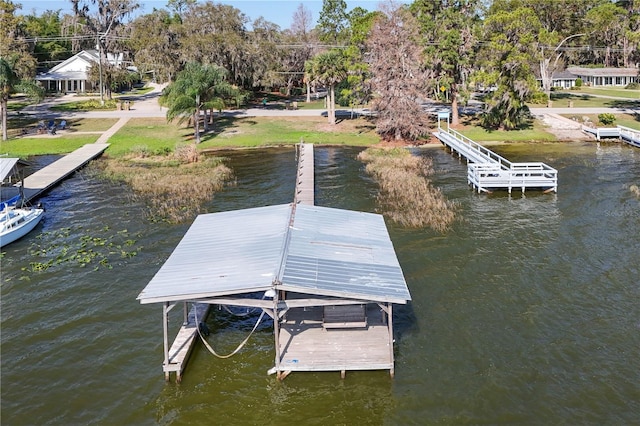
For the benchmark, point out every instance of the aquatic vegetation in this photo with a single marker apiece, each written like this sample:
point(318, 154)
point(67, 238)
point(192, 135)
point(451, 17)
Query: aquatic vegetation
point(174, 186)
point(58, 248)
point(406, 194)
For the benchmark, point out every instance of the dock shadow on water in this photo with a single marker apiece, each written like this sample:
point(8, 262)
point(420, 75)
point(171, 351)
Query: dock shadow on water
point(526, 311)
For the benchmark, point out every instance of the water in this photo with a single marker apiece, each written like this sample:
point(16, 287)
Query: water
point(526, 312)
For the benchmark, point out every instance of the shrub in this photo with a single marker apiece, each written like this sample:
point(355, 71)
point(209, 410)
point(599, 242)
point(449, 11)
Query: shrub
point(633, 86)
point(607, 118)
point(578, 82)
point(539, 98)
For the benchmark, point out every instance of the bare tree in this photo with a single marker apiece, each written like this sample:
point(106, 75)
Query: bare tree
point(398, 80)
point(301, 25)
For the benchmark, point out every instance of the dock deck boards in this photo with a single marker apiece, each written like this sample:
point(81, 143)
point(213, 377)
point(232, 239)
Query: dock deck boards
point(184, 341)
point(308, 346)
point(47, 177)
point(305, 180)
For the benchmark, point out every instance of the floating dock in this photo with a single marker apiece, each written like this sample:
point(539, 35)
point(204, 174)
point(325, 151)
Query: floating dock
point(487, 171)
point(625, 134)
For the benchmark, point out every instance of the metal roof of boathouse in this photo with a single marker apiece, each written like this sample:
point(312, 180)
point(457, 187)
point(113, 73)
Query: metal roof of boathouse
point(325, 251)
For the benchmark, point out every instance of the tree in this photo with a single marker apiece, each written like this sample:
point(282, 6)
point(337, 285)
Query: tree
point(356, 89)
point(449, 42)
point(328, 69)
point(11, 82)
point(216, 34)
point(48, 26)
point(155, 44)
point(608, 22)
point(333, 21)
point(397, 77)
point(197, 87)
point(509, 54)
point(103, 24)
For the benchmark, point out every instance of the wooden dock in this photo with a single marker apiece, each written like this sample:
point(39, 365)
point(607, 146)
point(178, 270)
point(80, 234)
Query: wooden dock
point(176, 357)
point(305, 180)
point(308, 345)
point(487, 170)
point(49, 176)
point(625, 134)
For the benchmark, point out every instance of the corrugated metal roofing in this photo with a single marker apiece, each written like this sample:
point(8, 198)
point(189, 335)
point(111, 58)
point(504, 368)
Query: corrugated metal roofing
point(6, 166)
point(343, 253)
point(329, 252)
point(221, 254)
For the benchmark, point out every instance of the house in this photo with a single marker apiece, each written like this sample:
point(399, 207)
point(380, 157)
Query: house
point(563, 79)
point(72, 75)
point(606, 76)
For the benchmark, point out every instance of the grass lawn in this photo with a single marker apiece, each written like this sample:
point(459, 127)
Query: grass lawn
point(151, 134)
point(562, 99)
point(45, 144)
point(626, 120)
point(536, 133)
point(608, 91)
point(270, 131)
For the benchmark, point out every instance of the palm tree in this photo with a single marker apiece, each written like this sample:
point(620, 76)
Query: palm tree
point(197, 87)
point(10, 82)
point(328, 68)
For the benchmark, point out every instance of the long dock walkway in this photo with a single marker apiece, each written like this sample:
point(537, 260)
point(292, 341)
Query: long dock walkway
point(487, 170)
point(305, 181)
point(625, 134)
point(49, 176)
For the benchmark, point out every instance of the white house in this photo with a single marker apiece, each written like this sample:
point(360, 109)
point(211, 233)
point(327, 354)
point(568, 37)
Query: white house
point(606, 76)
point(72, 75)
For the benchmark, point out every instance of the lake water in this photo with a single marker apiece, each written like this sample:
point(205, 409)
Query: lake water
point(526, 312)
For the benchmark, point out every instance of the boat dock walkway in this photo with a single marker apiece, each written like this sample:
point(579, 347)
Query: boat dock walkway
point(487, 170)
point(304, 180)
point(626, 134)
point(49, 176)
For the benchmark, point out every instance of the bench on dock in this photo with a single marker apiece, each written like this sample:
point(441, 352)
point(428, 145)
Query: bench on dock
point(344, 316)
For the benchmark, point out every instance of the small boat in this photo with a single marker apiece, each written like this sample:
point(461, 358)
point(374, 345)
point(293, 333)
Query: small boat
point(16, 218)
point(17, 221)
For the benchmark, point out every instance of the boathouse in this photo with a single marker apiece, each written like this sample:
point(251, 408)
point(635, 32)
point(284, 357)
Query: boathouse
point(328, 278)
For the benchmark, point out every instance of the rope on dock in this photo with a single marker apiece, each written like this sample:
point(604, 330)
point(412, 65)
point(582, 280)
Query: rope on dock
point(213, 352)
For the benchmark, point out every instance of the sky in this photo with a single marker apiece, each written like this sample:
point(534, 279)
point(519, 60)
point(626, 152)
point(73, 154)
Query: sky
point(279, 12)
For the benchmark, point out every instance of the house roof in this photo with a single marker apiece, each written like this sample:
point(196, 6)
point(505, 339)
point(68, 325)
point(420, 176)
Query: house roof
point(75, 67)
point(324, 251)
point(604, 72)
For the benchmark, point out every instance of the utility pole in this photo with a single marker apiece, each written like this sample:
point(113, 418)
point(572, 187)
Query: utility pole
point(100, 68)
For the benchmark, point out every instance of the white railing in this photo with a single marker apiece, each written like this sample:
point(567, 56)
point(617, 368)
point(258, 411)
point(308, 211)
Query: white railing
point(629, 135)
point(602, 132)
point(487, 170)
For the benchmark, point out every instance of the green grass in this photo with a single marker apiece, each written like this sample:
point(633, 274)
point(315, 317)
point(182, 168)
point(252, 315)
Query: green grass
point(626, 120)
point(153, 133)
point(270, 131)
point(614, 92)
point(534, 134)
point(26, 147)
point(562, 99)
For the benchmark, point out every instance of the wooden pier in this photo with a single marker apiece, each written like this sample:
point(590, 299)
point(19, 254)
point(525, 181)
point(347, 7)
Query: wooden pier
point(49, 176)
point(305, 180)
point(176, 356)
point(487, 170)
point(625, 134)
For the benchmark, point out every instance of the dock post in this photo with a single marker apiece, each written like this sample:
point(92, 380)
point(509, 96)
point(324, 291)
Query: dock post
point(165, 329)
